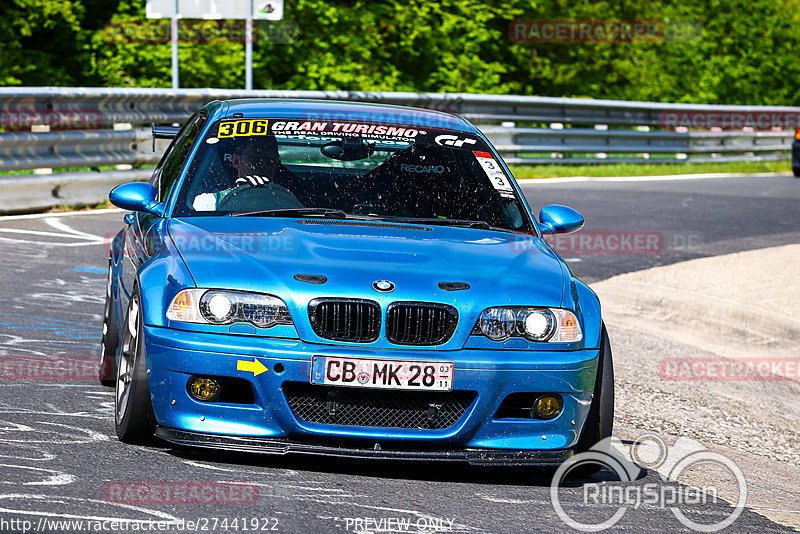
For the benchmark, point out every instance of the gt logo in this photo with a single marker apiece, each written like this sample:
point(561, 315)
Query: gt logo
point(452, 140)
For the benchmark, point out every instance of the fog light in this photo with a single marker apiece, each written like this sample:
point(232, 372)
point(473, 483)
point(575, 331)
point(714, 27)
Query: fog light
point(203, 389)
point(546, 406)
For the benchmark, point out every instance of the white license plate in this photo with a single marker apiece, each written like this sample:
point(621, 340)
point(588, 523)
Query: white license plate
point(386, 374)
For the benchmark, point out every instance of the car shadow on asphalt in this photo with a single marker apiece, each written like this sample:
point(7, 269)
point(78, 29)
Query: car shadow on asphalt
point(454, 471)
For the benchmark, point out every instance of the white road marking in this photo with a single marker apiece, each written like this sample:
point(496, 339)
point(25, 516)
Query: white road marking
point(65, 214)
point(503, 500)
point(45, 457)
point(49, 500)
point(47, 435)
point(211, 467)
point(27, 411)
point(55, 478)
point(58, 225)
point(42, 384)
point(49, 243)
point(37, 232)
point(238, 470)
point(66, 232)
point(656, 178)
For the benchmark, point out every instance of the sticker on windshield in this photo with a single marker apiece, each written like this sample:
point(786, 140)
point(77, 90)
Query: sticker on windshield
point(242, 128)
point(422, 169)
point(454, 140)
point(346, 129)
point(495, 173)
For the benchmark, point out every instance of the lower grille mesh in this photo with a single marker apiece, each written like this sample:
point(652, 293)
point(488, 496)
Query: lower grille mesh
point(432, 410)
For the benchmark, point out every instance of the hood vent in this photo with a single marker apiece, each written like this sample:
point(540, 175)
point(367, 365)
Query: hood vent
point(366, 224)
point(311, 278)
point(453, 286)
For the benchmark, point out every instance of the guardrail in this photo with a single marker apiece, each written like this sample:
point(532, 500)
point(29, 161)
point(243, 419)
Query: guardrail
point(525, 130)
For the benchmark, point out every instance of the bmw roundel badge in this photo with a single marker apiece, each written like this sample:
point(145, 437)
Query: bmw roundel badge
point(384, 286)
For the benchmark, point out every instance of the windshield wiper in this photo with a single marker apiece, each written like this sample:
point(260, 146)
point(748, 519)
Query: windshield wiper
point(443, 222)
point(328, 213)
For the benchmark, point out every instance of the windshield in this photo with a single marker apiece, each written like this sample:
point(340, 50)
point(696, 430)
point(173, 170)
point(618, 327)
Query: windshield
point(284, 167)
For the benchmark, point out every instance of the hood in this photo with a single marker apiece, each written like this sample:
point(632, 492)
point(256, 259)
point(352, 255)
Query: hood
point(264, 254)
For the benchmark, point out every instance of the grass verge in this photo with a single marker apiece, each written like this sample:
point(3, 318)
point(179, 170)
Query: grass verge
point(648, 169)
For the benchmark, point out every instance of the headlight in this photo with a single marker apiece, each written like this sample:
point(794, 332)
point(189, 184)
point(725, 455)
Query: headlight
point(534, 324)
point(497, 323)
point(212, 306)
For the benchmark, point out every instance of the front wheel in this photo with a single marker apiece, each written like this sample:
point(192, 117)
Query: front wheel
point(134, 419)
point(108, 344)
point(600, 421)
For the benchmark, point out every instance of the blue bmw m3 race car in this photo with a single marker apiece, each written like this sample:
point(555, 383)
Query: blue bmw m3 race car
point(350, 280)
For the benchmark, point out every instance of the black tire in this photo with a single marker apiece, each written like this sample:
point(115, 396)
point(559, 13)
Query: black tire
point(108, 344)
point(796, 172)
point(600, 421)
point(133, 410)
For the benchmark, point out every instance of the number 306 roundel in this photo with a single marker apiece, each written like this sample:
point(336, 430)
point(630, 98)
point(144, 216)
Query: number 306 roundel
point(386, 374)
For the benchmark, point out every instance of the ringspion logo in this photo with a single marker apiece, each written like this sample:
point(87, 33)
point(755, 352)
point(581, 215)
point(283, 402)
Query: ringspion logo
point(672, 463)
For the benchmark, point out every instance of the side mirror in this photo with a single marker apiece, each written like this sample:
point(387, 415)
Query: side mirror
point(558, 219)
point(137, 196)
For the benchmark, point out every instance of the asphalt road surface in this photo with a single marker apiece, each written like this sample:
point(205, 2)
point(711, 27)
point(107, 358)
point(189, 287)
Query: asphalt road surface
point(60, 459)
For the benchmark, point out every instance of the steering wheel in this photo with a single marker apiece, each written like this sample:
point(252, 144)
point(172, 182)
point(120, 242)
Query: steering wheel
point(247, 197)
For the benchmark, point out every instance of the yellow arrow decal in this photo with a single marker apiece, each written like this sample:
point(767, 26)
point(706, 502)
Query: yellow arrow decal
point(255, 367)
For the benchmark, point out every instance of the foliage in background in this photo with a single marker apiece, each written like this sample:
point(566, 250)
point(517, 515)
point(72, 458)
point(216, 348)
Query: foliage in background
point(736, 51)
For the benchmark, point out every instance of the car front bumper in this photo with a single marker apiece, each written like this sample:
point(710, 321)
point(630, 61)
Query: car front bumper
point(269, 424)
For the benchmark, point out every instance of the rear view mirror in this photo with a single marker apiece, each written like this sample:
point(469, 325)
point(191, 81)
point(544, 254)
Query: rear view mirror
point(348, 149)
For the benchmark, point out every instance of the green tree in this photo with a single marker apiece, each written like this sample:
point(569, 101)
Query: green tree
point(735, 51)
point(38, 42)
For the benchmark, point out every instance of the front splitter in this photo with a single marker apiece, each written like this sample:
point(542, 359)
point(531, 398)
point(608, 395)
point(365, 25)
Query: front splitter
point(259, 445)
